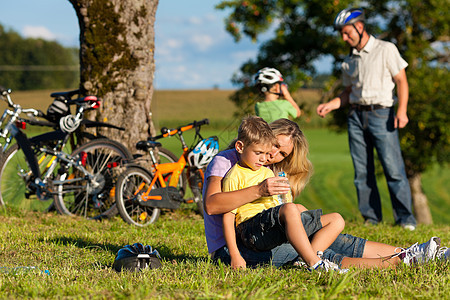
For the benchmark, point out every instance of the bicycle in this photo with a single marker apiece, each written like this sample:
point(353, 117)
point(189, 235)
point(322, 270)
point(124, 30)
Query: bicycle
point(20, 171)
point(141, 193)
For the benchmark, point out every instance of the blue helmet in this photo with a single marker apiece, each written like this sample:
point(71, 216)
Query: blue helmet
point(348, 16)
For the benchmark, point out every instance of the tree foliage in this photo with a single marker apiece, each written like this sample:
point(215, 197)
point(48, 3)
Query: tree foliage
point(302, 32)
point(27, 63)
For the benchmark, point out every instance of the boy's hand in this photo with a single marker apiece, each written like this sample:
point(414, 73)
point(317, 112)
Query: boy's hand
point(238, 262)
point(274, 186)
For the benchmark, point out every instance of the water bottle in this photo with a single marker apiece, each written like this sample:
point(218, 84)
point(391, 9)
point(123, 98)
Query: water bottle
point(281, 197)
point(23, 270)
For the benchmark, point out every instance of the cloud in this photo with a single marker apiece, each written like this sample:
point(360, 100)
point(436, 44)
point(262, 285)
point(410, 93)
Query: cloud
point(202, 41)
point(244, 55)
point(173, 43)
point(38, 32)
point(195, 21)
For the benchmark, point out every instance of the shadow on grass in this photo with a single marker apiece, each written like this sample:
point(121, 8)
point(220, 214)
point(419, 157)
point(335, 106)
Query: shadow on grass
point(163, 250)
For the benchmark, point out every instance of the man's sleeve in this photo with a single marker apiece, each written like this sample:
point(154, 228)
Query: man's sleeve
point(394, 61)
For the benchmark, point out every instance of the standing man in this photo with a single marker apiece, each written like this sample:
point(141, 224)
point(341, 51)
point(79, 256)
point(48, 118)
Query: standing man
point(370, 74)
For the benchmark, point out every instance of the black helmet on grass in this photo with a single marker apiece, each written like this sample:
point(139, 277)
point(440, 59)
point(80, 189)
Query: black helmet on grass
point(136, 257)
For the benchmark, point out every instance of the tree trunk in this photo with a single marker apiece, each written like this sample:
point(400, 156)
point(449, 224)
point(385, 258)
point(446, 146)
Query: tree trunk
point(117, 63)
point(420, 201)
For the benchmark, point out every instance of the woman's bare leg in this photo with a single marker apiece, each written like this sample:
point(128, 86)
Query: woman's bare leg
point(385, 262)
point(377, 250)
point(375, 255)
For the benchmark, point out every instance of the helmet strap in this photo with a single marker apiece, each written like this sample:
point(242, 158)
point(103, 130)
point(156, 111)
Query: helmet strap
point(360, 36)
point(278, 94)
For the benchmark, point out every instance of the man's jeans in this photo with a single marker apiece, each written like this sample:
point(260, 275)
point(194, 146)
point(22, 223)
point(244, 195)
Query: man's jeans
point(375, 129)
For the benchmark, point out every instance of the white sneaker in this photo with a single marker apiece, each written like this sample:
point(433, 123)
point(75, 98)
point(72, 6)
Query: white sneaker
point(298, 262)
point(409, 227)
point(327, 266)
point(443, 253)
point(420, 253)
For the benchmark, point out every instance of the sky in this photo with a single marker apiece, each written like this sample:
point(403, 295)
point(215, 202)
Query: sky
point(192, 48)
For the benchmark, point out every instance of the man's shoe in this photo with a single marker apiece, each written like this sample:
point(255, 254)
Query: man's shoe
point(409, 227)
point(420, 253)
point(369, 222)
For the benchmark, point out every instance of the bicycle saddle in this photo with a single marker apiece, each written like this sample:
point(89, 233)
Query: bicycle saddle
point(145, 145)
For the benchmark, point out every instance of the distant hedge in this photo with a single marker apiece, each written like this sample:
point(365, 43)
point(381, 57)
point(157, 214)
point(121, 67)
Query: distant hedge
point(30, 64)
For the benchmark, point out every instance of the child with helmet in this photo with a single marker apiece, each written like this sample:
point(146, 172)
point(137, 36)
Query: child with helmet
point(269, 81)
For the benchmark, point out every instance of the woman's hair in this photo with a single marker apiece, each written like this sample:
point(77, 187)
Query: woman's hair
point(296, 165)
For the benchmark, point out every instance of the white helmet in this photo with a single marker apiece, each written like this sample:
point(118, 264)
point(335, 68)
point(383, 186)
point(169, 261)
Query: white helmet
point(268, 76)
point(204, 152)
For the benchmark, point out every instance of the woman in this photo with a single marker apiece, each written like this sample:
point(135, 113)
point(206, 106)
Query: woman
point(291, 157)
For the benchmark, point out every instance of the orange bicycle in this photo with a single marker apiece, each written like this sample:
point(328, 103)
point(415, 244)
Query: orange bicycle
point(140, 194)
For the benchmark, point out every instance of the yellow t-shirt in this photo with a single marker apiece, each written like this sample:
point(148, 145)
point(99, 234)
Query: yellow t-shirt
point(239, 178)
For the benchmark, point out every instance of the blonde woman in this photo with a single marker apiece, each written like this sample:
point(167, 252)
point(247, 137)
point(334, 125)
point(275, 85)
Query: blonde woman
point(290, 155)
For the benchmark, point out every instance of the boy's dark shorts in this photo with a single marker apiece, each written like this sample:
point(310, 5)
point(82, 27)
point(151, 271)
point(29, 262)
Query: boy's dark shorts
point(264, 231)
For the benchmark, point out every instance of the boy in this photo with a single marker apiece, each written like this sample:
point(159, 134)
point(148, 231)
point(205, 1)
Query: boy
point(278, 102)
point(263, 224)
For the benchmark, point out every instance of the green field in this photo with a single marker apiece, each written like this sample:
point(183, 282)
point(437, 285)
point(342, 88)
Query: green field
point(331, 186)
point(79, 253)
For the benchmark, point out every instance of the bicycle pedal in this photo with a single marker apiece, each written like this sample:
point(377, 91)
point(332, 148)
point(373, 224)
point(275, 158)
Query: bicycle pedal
point(189, 200)
point(43, 195)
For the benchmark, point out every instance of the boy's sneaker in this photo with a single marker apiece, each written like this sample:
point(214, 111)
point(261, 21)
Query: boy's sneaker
point(326, 265)
point(443, 253)
point(420, 253)
point(298, 262)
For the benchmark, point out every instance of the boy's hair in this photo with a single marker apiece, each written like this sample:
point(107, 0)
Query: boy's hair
point(254, 130)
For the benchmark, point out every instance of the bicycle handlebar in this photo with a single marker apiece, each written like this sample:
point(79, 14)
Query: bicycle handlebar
point(4, 90)
point(33, 112)
point(165, 132)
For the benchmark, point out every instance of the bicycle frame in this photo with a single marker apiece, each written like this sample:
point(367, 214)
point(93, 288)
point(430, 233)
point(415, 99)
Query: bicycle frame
point(173, 170)
point(12, 130)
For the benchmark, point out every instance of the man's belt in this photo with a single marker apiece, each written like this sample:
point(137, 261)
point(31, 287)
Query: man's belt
point(368, 107)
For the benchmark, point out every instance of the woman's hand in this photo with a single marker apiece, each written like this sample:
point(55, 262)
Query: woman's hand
point(274, 186)
point(238, 262)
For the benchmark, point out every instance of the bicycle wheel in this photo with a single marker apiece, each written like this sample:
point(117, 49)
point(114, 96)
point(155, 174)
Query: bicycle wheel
point(166, 156)
point(91, 194)
point(130, 185)
point(15, 178)
point(15, 175)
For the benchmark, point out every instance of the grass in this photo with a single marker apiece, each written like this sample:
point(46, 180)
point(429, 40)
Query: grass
point(79, 253)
